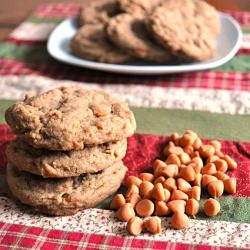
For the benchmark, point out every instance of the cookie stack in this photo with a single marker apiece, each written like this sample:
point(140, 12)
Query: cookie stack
point(158, 31)
point(68, 150)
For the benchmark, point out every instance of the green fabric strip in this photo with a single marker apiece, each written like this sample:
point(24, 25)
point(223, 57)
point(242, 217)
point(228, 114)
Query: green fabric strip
point(40, 20)
point(207, 125)
point(166, 121)
point(38, 54)
point(239, 63)
point(245, 30)
point(29, 54)
point(4, 104)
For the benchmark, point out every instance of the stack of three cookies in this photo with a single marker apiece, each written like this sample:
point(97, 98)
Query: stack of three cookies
point(68, 150)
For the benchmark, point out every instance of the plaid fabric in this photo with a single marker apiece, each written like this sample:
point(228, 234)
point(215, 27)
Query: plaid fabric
point(21, 237)
point(205, 79)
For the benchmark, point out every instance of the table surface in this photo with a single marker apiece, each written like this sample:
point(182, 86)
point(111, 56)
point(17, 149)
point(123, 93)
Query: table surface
point(215, 103)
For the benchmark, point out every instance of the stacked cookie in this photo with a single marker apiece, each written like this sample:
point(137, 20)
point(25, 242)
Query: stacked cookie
point(68, 150)
point(159, 31)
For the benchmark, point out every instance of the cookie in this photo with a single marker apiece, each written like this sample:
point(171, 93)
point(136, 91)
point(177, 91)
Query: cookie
point(64, 196)
point(138, 7)
point(188, 28)
point(60, 164)
point(129, 33)
point(91, 42)
point(97, 11)
point(68, 118)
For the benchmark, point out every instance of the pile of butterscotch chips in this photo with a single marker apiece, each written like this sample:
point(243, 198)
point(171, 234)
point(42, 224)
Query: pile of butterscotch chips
point(175, 185)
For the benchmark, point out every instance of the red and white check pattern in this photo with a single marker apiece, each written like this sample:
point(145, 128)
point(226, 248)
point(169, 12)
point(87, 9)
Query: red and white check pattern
point(203, 79)
point(14, 236)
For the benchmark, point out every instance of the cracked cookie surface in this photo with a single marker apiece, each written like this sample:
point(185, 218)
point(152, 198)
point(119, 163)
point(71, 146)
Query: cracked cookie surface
point(64, 196)
point(60, 164)
point(97, 11)
point(69, 118)
point(138, 7)
point(188, 28)
point(91, 42)
point(130, 33)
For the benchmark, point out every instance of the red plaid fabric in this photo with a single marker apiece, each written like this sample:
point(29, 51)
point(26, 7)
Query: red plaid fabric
point(204, 79)
point(21, 237)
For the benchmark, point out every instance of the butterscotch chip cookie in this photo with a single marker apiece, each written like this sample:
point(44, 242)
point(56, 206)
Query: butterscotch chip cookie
point(97, 11)
point(59, 164)
point(91, 42)
point(187, 28)
point(130, 33)
point(67, 195)
point(138, 7)
point(68, 118)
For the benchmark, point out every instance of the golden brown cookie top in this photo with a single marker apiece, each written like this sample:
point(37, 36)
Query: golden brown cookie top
point(130, 33)
point(188, 28)
point(138, 8)
point(97, 11)
point(69, 118)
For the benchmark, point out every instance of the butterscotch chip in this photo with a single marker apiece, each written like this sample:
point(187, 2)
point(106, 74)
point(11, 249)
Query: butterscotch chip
point(117, 201)
point(135, 225)
point(125, 212)
point(211, 207)
point(231, 163)
point(144, 208)
point(179, 220)
point(179, 195)
point(221, 176)
point(91, 43)
point(130, 34)
point(230, 185)
point(64, 196)
point(97, 11)
point(133, 180)
point(145, 188)
point(177, 205)
point(209, 169)
point(146, 177)
point(133, 199)
point(153, 225)
point(192, 207)
point(215, 188)
point(161, 208)
point(187, 28)
point(59, 164)
point(66, 119)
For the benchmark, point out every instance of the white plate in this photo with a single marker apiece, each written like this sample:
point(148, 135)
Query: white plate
point(228, 43)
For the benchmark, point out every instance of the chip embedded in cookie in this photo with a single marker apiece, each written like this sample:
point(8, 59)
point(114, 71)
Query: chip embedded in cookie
point(64, 196)
point(188, 28)
point(130, 33)
point(91, 42)
point(69, 118)
point(61, 164)
point(97, 11)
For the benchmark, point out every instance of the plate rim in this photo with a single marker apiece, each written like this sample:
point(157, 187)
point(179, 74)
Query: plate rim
point(147, 69)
